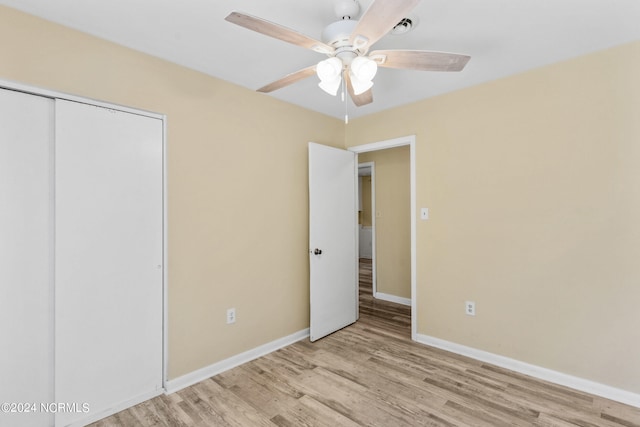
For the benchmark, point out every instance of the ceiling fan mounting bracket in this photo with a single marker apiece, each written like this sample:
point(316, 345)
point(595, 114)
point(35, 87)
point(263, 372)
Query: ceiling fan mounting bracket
point(346, 9)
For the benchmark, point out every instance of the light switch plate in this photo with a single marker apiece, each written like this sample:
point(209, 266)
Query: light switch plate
point(424, 213)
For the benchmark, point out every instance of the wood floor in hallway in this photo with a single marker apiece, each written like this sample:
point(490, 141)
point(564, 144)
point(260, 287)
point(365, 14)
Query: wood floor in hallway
point(372, 374)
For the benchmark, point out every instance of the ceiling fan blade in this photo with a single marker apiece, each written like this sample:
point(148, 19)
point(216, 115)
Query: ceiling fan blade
point(278, 31)
point(420, 60)
point(289, 79)
point(359, 100)
point(378, 20)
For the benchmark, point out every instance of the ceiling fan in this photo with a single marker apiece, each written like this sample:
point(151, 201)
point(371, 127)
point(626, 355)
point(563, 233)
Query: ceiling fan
point(346, 42)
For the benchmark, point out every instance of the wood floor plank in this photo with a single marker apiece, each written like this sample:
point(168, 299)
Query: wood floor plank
point(309, 412)
point(146, 416)
point(232, 409)
point(624, 415)
point(262, 374)
point(372, 374)
point(348, 398)
point(264, 396)
point(172, 414)
point(201, 411)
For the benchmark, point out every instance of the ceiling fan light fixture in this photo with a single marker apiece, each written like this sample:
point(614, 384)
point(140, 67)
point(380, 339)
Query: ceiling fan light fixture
point(362, 71)
point(364, 68)
point(359, 86)
point(329, 72)
point(330, 86)
point(329, 69)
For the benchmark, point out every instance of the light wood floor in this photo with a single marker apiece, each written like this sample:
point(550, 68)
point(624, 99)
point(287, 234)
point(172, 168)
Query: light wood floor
point(372, 374)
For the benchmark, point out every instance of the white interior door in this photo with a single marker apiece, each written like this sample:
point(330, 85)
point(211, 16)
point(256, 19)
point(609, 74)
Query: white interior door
point(332, 239)
point(26, 357)
point(109, 254)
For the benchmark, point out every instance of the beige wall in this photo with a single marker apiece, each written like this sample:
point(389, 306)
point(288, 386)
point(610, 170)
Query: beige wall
point(220, 136)
point(533, 185)
point(393, 221)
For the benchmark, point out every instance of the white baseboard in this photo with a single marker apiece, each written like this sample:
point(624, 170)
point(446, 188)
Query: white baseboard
point(545, 374)
point(92, 418)
point(224, 365)
point(393, 298)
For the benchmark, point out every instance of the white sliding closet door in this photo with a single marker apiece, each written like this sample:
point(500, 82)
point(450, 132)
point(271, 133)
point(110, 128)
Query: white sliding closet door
point(26, 334)
point(109, 254)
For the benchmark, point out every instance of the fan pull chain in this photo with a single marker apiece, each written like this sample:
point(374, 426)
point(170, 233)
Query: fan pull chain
point(346, 104)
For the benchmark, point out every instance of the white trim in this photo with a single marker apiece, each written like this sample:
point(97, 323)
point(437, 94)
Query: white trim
point(165, 260)
point(409, 140)
point(374, 239)
point(392, 298)
point(545, 374)
point(35, 90)
point(224, 365)
point(52, 259)
point(381, 145)
point(356, 230)
point(374, 282)
point(116, 408)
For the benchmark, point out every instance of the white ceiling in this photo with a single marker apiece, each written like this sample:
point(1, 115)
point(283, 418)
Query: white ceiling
point(503, 37)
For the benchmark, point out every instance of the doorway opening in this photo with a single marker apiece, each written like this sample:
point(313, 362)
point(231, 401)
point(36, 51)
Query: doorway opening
point(367, 270)
point(367, 218)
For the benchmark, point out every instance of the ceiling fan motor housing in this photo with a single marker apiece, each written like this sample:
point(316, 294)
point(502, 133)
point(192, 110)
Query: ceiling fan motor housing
point(338, 34)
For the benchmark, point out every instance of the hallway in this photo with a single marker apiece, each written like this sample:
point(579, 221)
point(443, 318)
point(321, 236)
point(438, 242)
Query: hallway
point(391, 317)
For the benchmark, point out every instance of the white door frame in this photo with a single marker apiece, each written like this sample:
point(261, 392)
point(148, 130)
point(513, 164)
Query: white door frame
point(409, 140)
point(372, 166)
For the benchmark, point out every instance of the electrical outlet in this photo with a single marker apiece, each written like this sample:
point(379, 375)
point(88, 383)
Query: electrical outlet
point(231, 316)
point(470, 308)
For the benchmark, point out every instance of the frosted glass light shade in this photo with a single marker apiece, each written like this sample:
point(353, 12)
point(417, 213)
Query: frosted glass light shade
point(364, 68)
point(330, 73)
point(329, 69)
point(359, 86)
point(330, 86)
point(362, 71)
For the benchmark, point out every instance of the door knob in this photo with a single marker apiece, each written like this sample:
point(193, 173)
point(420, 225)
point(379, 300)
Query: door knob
point(317, 251)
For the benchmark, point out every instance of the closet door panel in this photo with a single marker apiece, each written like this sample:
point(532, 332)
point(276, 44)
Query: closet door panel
point(108, 267)
point(26, 357)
